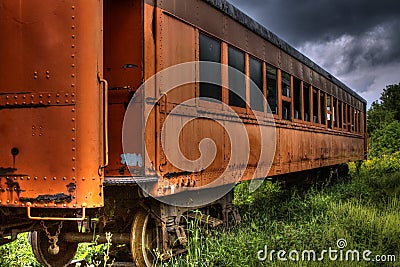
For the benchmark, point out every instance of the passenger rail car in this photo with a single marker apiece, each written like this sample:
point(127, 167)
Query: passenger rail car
point(71, 69)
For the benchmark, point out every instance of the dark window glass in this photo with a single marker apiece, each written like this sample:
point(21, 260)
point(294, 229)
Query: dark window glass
point(335, 112)
point(306, 95)
point(297, 98)
point(210, 50)
point(348, 119)
point(237, 81)
point(323, 108)
point(340, 114)
point(353, 122)
point(285, 84)
point(286, 110)
point(272, 89)
point(315, 106)
point(256, 86)
point(329, 111)
point(345, 116)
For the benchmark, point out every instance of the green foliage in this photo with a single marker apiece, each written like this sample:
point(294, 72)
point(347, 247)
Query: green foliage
point(267, 192)
point(18, 253)
point(378, 117)
point(386, 140)
point(95, 254)
point(391, 99)
point(384, 122)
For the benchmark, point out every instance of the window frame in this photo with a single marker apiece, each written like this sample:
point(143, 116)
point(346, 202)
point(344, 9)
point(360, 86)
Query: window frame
point(285, 99)
point(260, 87)
point(300, 96)
point(201, 33)
point(239, 109)
point(267, 65)
point(304, 86)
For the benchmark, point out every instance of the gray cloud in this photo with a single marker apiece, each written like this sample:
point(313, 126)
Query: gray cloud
point(312, 20)
point(358, 41)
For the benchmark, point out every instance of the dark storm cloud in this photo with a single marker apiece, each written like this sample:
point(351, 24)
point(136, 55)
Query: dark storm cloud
point(378, 45)
point(356, 40)
point(312, 20)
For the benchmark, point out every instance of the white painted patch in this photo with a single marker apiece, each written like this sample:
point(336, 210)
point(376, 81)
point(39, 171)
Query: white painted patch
point(132, 159)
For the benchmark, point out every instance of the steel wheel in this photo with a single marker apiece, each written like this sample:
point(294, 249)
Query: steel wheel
point(40, 245)
point(146, 238)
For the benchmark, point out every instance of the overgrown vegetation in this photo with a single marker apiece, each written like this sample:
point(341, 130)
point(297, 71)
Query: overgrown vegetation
point(384, 123)
point(365, 212)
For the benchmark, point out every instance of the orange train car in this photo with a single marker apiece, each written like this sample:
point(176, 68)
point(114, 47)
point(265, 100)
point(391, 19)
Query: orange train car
point(121, 116)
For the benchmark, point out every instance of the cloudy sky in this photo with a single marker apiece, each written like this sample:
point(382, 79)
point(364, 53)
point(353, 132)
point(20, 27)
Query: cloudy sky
point(358, 41)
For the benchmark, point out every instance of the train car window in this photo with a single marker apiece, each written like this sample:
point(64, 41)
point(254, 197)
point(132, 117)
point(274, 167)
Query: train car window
point(348, 119)
point(335, 113)
point(329, 111)
point(315, 106)
point(237, 82)
point(285, 84)
point(340, 114)
point(359, 121)
point(256, 75)
point(345, 107)
point(210, 50)
point(323, 108)
point(286, 110)
point(297, 99)
point(306, 96)
point(272, 89)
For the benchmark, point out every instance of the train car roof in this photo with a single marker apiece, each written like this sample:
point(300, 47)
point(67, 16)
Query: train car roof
point(259, 29)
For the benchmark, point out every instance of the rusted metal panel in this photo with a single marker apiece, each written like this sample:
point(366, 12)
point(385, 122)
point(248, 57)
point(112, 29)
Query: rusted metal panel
point(175, 44)
point(29, 28)
point(237, 35)
point(322, 81)
point(307, 74)
point(297, 69)
point(316, 81)
point(124, 71)
point(51, 54)
point(257, 47)
point(209, 20)
point(123, 62)
point(37, 157)
point(271, 54)
point(284, 62)
point(335, 90)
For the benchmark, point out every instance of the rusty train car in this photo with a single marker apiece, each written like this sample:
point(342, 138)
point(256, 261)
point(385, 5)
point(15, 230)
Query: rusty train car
point(71, 69)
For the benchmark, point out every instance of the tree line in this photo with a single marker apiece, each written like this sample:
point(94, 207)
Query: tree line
point(383, 120)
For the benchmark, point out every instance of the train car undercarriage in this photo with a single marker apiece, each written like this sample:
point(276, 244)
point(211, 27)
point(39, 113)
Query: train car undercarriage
point(144, 225)
point(147, 229)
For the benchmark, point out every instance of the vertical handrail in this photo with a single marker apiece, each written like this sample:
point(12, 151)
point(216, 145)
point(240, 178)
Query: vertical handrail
point(105, 115)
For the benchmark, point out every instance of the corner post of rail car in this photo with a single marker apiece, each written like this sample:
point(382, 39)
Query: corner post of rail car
point(53, 53)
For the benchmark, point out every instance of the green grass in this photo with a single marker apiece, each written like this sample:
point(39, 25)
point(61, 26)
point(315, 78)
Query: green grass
point(364, 211)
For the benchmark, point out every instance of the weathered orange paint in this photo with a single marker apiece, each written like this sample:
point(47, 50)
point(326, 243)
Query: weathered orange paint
point(51, 103)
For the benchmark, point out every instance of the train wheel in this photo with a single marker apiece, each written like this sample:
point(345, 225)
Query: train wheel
point(146, 239)
point(40, 246)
